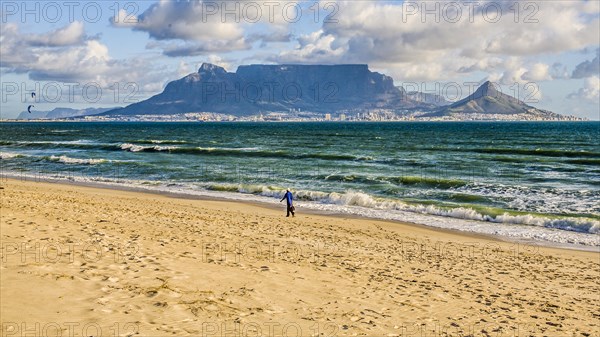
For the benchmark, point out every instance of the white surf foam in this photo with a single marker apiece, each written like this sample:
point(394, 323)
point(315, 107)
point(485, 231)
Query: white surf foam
point(568, 231)
point(69, 160)
point(10, 155)
point(139, 148)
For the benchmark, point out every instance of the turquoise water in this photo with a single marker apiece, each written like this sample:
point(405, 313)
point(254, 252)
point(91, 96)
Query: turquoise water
point(530, 176)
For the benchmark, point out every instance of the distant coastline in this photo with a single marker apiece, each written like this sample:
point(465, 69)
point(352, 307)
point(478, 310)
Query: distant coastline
point(579, 120)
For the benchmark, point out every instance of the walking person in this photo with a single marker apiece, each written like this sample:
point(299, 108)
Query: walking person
point(288, 198)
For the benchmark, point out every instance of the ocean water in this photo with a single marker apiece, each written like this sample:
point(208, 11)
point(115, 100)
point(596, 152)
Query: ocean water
point(525, 180)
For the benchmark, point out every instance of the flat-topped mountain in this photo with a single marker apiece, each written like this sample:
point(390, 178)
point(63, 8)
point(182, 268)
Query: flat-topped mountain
point(255, 89)
point(294, 91)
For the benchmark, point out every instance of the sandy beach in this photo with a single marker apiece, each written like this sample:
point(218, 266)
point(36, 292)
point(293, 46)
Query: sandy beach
point(83, 261)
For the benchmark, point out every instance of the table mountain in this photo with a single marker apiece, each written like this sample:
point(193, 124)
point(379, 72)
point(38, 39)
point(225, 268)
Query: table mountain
point(350, 89)
point(255, 89)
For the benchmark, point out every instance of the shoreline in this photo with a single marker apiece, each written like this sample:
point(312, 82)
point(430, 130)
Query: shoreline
point(318, 212)
point(156, 265)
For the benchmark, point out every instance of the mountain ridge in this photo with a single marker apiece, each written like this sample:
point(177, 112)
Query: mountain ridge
point(62, 112)
point(488, 99)
point(334, 90)
point(255, 89)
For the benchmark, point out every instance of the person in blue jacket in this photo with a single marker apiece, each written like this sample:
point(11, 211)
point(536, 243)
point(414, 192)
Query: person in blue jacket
point(288, 198)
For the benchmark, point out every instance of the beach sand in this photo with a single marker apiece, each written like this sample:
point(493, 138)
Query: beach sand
point(86, 261)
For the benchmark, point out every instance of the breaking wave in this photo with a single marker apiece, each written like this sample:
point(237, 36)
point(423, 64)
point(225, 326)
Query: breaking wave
point(69, 160)
point(10, 155)
point(139, 148)
point(356, 198)
point(238, 152)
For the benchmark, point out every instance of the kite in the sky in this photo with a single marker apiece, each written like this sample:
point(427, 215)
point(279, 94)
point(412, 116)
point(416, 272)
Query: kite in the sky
point(29, 108)
point(33, 95)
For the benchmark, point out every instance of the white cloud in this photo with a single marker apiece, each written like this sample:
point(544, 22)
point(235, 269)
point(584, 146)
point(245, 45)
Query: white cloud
point(316, 47)
point(72, 34)
point(400, 37)
point(58, 57)
point(538, 72)
point(186, 20)
point(203, 27)
point(218, 60)
point(68, 57)
point(18, 49)
point(381, 34)
point(590, 91)
point(13, 48)
point(70, 64)
point(515, 70)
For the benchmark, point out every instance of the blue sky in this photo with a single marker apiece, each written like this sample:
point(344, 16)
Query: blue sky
point(73, 53)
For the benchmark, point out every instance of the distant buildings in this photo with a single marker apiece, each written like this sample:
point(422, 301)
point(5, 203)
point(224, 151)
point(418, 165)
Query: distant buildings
point(351, 115)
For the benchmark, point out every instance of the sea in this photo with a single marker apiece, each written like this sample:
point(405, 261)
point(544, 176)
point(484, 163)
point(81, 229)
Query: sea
point(536, 182)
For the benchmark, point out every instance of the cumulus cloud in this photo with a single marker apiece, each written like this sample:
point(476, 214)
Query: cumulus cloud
point(70, 64)
point(63, 57)
point(72, 34)
point(404, 38)
point(515, 70)
point(538, 72)
point(588, 68)
point(218, 60)
point(186, 20)
point(456, 39)
point(590, 91)
point(13, 49)
point(204, 27)
point(313, 48)
point(392, 37)
point(72, 57)
point(18, 49)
